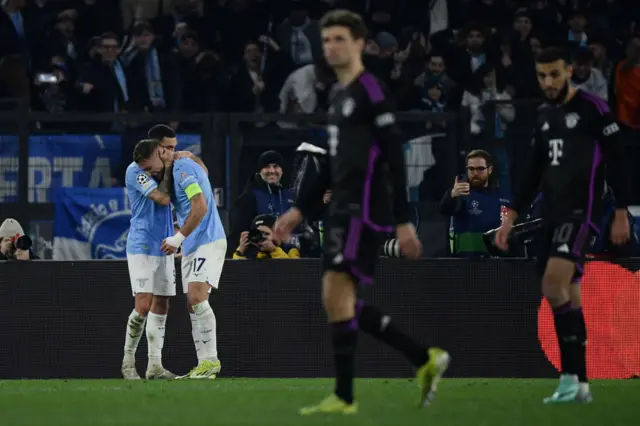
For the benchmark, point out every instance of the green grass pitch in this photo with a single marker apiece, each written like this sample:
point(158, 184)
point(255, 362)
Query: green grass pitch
point(274, 402)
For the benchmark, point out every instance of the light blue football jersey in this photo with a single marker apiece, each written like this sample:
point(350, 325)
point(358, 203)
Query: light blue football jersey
point(150, 222)
point(188, 176)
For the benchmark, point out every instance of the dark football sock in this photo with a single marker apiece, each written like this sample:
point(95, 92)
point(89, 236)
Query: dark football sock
point(345, 339)
point(563, 319)
point(580, 345)
point(372, 321)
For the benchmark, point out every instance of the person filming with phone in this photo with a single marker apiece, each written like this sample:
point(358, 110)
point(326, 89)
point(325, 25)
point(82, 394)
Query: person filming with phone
point(258, 242)
point(475, 205)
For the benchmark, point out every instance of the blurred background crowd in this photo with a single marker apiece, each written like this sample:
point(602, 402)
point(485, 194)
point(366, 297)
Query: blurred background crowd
point(468, 59)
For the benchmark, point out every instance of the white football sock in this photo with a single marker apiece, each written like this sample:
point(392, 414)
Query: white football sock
point(155, 337)
point(584, 388)
point(135, 323)
point(195, 332)
point(207, 326)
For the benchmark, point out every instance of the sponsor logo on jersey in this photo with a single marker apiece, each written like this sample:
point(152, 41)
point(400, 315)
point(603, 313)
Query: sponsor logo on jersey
point(611, 129)
point(571, 120)
point(385, 119)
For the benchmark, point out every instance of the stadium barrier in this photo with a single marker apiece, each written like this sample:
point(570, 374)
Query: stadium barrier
point(67, 319)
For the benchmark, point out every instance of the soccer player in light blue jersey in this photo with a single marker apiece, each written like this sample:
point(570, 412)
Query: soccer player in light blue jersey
point(169, 141)
point(152, 273)
point(204, 246)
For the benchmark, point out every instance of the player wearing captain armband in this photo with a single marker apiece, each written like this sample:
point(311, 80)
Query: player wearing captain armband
point(204, 246)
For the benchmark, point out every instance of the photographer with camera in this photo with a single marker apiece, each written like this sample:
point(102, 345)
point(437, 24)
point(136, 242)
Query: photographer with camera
point(258, 242)
point(14, 244)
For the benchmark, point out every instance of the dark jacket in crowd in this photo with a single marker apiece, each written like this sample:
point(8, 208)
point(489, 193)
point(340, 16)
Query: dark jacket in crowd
point(259, 197)
point(171, 83)
point(471, 216)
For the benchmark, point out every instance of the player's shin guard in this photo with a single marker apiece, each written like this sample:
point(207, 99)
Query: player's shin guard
point(372, 321)
point(155, 337)
point(580, 345)
point(135, 323)
point(207, 327)
point(567, 336)
point(345, 340)
point(195, 333)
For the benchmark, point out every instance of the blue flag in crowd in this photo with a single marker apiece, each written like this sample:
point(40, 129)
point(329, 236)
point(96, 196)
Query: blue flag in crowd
point(91, 223)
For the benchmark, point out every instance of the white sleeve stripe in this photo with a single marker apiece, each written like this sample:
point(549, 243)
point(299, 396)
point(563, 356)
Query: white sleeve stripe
point(148, 190)
point(385, 119)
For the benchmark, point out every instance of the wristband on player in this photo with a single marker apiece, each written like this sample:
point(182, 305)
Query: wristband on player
point(179, 238)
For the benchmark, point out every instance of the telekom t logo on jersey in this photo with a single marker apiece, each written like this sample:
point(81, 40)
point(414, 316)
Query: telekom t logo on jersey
point(555, 151)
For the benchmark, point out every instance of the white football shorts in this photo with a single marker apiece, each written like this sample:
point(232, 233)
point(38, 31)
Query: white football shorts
point(204, 265)
point(152, 274)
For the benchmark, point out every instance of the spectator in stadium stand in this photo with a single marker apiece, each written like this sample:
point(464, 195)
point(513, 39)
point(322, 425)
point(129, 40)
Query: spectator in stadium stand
point(16, 31)
point(601, 60)
point(263, 194)
point(106, 83)
point(486, 89)
point(254, 85)
point(628, 105)
point(143, 10)
point(474, 205)
point(628, 86)
point(577, 36)
point(154, 74)
point(57, 95)
point(204, 84)
point(299, 35)
point(258, 242)
point(431, 87)
point(308, 89)
point(585, 76)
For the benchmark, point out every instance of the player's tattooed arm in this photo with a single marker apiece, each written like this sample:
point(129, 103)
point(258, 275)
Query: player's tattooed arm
point(161, 195)
point(198, 210)
point(166, 184)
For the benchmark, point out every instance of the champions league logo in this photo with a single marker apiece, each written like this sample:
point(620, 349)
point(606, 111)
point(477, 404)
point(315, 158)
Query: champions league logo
point(106, 227)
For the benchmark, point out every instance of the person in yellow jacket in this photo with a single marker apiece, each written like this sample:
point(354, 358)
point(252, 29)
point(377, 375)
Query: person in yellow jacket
point(258, 242)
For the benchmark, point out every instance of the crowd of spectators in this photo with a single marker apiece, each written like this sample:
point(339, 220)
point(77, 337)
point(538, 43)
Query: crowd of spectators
point(266, 56)
point(259, 55)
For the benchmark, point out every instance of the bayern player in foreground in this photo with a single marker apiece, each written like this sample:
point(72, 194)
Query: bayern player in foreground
point(204, 246)
point(367, 175)
point(576, 142)
point(152, 273)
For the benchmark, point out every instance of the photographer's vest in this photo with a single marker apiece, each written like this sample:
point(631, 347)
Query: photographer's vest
point(274, 202)
point(480, 212)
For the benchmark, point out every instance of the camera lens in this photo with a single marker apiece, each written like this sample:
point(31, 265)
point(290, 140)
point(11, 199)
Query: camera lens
point(23, 243)
point(255, 236)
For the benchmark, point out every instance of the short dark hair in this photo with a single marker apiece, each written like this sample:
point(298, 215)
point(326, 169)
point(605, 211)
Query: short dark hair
point(582, 56)
point(109, 36)
point(347, 19)
point(161, 131)
point(550, 55)
point(144, 149)
point(479, 153)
